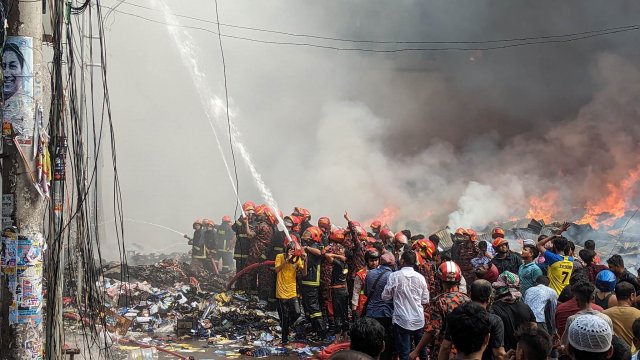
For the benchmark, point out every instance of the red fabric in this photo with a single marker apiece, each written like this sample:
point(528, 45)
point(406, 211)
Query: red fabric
point(492, 274)
point(332, 349)
point(567, 309)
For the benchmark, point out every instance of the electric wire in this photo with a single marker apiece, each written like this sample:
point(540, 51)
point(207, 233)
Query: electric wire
point(226, 96)
point(586, 35)
point(320, 37)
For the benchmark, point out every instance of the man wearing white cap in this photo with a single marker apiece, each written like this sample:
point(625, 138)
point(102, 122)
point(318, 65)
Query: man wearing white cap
point(590, 338)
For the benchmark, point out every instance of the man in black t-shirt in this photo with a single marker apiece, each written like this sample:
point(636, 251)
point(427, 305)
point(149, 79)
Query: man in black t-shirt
point(480, 292)
point(509, 308)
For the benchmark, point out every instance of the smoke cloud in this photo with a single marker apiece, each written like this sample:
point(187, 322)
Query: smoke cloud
point(457, 138)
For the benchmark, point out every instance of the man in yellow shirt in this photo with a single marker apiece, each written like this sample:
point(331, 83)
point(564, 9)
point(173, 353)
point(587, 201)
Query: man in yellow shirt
point(623, 315)
point(286, 294)
point(559, 264)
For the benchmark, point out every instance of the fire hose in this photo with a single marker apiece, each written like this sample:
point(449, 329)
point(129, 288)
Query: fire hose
point(248, 269)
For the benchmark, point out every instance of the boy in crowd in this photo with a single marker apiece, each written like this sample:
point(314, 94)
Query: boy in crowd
point(286, 266)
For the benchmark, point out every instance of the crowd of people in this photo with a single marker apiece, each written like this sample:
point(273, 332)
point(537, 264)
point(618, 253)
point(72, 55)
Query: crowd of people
point(397, 295)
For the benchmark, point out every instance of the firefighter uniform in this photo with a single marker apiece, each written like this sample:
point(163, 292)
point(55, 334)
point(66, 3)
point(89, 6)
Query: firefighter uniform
point(309, 289)
point(198, 250)
point(276, 247)
point(241, 252)
point(224, 235)
point(259, 244)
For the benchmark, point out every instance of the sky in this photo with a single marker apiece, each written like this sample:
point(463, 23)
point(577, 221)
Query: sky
point(447, 138)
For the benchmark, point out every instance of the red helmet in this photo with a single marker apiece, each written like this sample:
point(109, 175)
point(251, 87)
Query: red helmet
point(304, 213)
point(401, 238)
point(425, 248)
point(376, 225)
point(472, 234)
point(207, 222)
point(294, 244)
point(249, 206)
point(226, 218)
point(260, 209)
point(295, 221)
point(362, 233)
point(197, 222)
point(461, 231)
point(371, 240)
point(450, 272)
point(337, 235)
point(270, 215)
point(371, 253)
point(312, 233)
point(324, 223)
point(497, 232)
point(499, 241)
point(386, 234)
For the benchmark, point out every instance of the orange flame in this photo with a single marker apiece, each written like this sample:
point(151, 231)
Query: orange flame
point(614, 204)
point(386, 216)
point(543, 207)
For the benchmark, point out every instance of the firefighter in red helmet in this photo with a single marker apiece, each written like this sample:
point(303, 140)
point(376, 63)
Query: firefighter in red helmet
point(310, 283)
point(260, 235)
point(224, 241)
point(376, 227)
point(325, 225)
point(198, 246)
point(241, 248)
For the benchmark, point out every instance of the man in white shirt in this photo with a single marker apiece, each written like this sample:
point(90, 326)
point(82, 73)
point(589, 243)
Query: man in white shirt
point(543, 301)
point(409, 292)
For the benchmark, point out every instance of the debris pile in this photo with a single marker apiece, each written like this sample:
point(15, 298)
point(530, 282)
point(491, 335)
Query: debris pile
point(171, 308)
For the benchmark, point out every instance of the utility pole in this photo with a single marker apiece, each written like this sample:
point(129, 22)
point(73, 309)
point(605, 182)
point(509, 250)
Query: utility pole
point(24, 195)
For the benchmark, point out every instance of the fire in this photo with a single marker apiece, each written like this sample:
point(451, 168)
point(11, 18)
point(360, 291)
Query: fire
point(386, 216)
point(543, 207)
point(614, 204)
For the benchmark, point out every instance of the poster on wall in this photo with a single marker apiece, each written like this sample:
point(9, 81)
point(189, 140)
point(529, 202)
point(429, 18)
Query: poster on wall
point(17, 68)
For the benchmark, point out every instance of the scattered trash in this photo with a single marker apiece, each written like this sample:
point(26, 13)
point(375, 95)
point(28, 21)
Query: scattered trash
point(166, 307)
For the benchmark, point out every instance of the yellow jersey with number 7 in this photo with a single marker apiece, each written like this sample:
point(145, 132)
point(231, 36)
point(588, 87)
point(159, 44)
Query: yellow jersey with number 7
point(559, 270)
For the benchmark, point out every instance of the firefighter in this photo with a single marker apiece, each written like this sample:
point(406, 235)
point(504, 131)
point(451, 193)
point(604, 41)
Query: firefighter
point(376, 226)
point(198, 249)
point(355, 237)
point(305, 218)
point(310, 284)
point(468, 250)
point(372, 258)
point(260, 236)
point(209, 228)
point(224, 239)
point(400, 245)
point(241, 248)
point(425, 249)
point(324, 223)
point(292, 223)
point(386, 236)
point(335, 237)
point(277, 246)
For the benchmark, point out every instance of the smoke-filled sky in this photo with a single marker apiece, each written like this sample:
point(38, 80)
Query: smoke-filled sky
point(459, 138)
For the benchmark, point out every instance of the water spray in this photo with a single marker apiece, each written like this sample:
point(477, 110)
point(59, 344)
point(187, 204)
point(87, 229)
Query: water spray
point(214, 106)
point(198, 78)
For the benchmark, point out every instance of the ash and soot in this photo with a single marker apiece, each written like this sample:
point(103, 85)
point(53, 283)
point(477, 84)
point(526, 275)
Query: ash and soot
point(420, 139)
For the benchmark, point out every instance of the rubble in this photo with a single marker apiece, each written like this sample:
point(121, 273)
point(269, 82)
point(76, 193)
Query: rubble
point(168, 308)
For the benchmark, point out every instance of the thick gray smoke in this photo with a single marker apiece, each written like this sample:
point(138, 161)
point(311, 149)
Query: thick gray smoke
point(458, 138)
